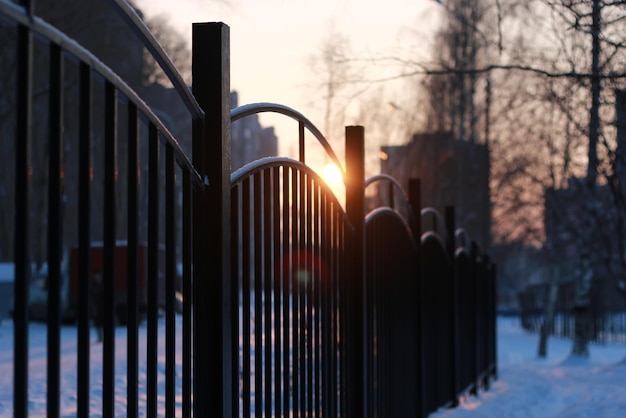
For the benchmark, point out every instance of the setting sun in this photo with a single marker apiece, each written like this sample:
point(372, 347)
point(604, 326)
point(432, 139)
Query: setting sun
point(332, 175)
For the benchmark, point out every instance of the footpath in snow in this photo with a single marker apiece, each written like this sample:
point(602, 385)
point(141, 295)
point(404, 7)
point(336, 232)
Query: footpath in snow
point(553, 387)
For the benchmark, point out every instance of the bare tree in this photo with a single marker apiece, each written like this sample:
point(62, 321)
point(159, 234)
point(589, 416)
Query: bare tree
point(334, 67)
point(594, 40)
point(176, 47)
point(546, 106)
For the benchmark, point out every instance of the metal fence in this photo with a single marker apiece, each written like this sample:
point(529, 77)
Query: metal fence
point(291, 304)
point(430, 309)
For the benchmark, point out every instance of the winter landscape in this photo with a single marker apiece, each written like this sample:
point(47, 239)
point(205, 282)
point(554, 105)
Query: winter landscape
point(557, 386)
point(527, 386)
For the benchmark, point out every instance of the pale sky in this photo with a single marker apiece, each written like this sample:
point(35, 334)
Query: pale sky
point(272, 40)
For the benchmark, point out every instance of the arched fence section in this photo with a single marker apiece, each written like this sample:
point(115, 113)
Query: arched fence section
point(289, 251)
point(430, 326)
point(213, 293)
point(304, 124)
point(392, 317)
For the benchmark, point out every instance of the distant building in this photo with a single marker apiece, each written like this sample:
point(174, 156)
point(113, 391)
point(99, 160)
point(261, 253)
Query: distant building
point(249, 140)
point(451, 172)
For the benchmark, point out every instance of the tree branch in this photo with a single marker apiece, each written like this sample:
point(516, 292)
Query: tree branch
point(510, 67)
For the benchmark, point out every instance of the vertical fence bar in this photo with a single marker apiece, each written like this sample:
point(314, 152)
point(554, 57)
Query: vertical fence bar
point(482, 290)
point(479, 317)
point(109, 234)
point(295, 292)
point(337, 318)
point(325, 308)
point(152, 278)
point(245, 297)
point(257, 193)
point(132, 268)
point(371, 355)
point(337, 329)
point(213, 372)
point(341, 300)
point(493, 323)
point(301, 147)
point(285, 275)
point(55, 242)
point(84, 240)
point(301, 286)
point(23, 108)
point(268, 238)
point(490, 314)
point(355, 184)
point(453, 302)
point(343, 234)
point(415, 201)
point(473, 371)
point(170, 285)
point(489, 325)
point(277, 272)
point(236, 271)
point(319, 312)
point(308, 283)
point(187, 296)
point(475, 315)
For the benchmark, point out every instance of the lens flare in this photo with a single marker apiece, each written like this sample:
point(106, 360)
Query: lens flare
point(332, 175)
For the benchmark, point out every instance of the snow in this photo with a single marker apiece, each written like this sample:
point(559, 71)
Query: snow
point(7, 272)
point(37, 368)
point(557, 386)
point(526, 387)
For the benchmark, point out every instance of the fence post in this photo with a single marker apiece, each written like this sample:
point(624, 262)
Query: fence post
point(454, 298)
point(355, 321)
point(494, 319)
point(212, 333)
point(475, 301)
point(22, 229)
point(415, 200)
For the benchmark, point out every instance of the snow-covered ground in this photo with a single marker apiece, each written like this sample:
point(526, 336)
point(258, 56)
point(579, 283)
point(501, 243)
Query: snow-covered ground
point(527, 386)
point(37, 368)
point(553, 387)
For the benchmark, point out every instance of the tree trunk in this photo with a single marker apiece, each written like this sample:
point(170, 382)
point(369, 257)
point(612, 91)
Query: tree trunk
point(586, 271)
point(581, 307)
point(548, 312)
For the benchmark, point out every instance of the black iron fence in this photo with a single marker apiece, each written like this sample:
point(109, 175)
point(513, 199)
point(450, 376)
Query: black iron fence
point(430, 309)
point(291, 304)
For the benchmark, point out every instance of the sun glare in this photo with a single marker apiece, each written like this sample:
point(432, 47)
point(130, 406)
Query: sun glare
point(332, 175)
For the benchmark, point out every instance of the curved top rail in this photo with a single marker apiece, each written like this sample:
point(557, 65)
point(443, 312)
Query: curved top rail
point(412, 212)
point(20, 15)
point(137, 25)
point(463, 237)
point(254, 108)
point(386, 211)
point(386, 177)
point(269, 162)
point(438, 220)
